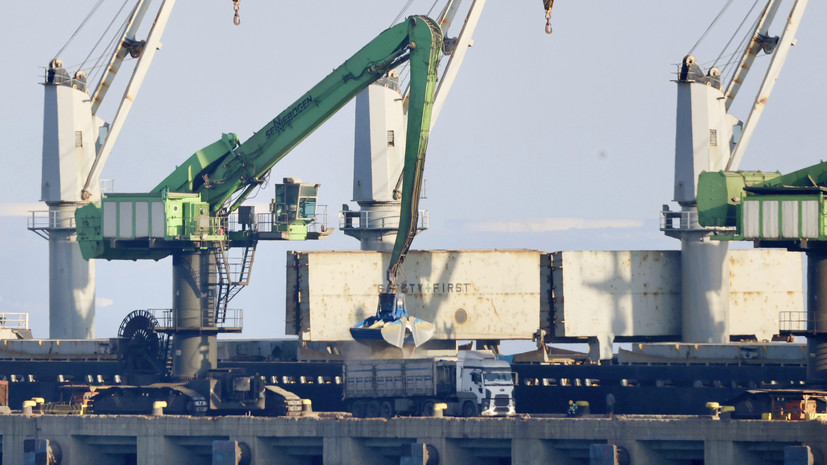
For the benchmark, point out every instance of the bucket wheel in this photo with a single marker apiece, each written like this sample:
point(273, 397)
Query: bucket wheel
point(141, 347)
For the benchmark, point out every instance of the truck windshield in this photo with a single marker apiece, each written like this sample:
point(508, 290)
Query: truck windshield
point(497, 377)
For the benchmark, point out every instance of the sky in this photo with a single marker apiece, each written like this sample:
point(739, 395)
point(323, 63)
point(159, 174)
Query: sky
point(547, 142)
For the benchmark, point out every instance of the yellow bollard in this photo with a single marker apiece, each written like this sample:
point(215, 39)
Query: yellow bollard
point(158, 408)
point(27, 406)
point(439, 409)
point(307, 407)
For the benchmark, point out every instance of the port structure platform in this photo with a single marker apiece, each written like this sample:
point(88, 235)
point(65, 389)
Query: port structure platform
point(334, 439)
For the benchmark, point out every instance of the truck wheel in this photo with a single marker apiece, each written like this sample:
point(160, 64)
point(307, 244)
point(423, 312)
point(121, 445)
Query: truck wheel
point(357, 409)
point(373, 409)
point(386, 410)
point(427, 408)
point(469, 409)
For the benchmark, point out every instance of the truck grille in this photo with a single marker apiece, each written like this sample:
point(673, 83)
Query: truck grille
point(501, 400)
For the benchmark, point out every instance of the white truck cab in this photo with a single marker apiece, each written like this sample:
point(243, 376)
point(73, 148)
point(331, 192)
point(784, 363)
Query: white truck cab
point(487, 382)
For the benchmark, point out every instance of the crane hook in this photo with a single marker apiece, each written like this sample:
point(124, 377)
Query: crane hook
point(548, 4)
point(236, 18)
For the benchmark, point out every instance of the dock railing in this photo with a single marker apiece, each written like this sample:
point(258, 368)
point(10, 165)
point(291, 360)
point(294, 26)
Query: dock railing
point(233, 321)
point(797, 323)
point(14, 320)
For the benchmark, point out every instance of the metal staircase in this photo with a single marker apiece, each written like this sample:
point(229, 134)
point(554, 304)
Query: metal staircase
point(166, 354)
point(233, 275)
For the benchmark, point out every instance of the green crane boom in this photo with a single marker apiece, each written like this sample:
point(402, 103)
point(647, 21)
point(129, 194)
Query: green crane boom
point(187, 211)
point(224, 173)
point(226, 169)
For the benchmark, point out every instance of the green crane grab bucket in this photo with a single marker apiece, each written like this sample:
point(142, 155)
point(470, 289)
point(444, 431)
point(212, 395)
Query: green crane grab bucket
point(393, 324)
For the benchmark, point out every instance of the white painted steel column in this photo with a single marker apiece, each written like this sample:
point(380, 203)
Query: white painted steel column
point(70, 133)
point(380, 222)
point(703, 140)
point(378, 160)
point(71, 279)
point(704, 286)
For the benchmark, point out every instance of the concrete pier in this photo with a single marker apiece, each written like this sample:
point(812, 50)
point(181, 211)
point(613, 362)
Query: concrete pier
point(338, 439)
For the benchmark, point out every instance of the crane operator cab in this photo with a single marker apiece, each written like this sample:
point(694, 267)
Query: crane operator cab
point(294, 208)
point(487, 382)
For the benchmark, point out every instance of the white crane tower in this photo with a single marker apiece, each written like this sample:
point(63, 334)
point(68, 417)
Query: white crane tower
point(708, 138)
point(380, 141)
point(76, 145)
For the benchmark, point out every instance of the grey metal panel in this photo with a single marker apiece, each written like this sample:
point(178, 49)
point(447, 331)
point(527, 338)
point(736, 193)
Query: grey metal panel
point(390, 378)
point(769, 220)
point(763, 283)
point(55, 348)
point(623, 293)
point(809, 218)
point(141, 219)
point(125, 220)
point(499, 293)
point(637, 293)
point(752, 216)
point(789, 218)
point(467, 294)
point(722, 353)
point(158, 219)
point(110, 219)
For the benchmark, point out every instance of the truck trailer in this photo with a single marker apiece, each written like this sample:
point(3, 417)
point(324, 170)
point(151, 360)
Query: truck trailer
point(472, 384)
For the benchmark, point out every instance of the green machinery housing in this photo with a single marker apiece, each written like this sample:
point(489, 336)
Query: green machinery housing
point(771, 209)
point(785, 211)
point(157, 224)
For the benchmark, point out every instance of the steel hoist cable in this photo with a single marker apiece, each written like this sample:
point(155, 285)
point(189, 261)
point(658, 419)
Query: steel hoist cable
point(711, 25)
point(82, 24)
point(96, 70)
point(736, 32)
point(735, 56)
point(402, 12)
point(105, 31)
point(432, 8)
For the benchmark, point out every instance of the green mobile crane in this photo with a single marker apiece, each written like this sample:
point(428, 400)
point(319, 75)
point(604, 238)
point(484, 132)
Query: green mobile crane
point(186, 215)
point(783, 211)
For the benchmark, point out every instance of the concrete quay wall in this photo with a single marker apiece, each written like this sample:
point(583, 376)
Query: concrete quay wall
point(178, 440)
